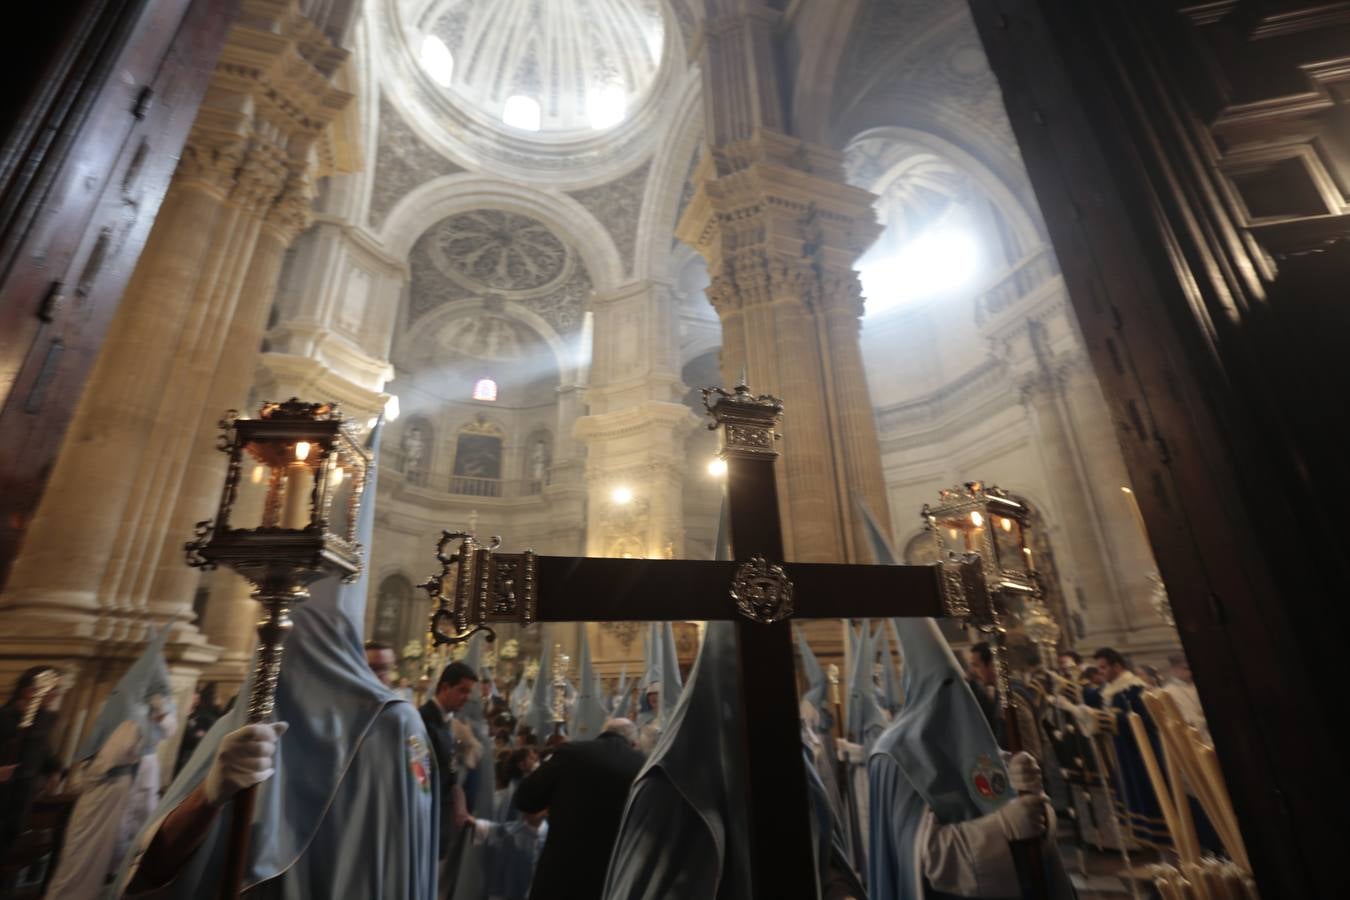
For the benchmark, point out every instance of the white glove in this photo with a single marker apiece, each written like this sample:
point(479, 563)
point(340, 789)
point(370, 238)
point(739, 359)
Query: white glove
point(245, 758)
point(1025, 773)
point(1026, 817)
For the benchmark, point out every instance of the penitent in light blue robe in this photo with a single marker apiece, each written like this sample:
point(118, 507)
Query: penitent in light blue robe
point(352, 809)
point(937, 763)
point(685, 830)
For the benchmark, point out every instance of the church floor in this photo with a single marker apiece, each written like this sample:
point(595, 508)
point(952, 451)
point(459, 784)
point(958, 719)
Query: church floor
point(1101, 876)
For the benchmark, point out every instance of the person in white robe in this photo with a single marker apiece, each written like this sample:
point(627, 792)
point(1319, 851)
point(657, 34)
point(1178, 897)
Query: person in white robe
point(116, 775)
point(1181, 686)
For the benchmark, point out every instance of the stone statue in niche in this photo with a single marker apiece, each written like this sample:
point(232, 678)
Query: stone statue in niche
point(415, 454)
point(539, 465)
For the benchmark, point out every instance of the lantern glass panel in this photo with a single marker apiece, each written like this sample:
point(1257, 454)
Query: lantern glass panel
point(1008, 545)
point(345, 475)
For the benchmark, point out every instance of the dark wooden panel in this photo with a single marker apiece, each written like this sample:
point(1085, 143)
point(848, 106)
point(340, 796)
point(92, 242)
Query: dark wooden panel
point(82, 176)
point(1200, 360)
point(617, 590)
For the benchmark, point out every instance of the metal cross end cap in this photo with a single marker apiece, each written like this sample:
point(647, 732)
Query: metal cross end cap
point(963, 589)
point(762, 591)
point(747, 421)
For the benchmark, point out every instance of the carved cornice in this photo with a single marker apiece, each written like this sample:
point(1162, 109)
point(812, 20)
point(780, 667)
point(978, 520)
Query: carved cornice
point(260, 136)
point(775, 220)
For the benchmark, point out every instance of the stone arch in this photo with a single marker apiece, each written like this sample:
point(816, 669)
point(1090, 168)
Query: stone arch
point(665, 184)
point(1026, 224)
point(449, 195)
point(419, 342)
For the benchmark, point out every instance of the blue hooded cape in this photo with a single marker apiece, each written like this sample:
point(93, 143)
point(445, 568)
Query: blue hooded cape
point(938, 753)
point(685, 833)
point(352, 809)
point(130, 699)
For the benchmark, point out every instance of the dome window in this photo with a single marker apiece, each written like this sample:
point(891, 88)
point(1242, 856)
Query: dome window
point(522, 112)
point(607, 107)
point(485, 389)
point(437, 60)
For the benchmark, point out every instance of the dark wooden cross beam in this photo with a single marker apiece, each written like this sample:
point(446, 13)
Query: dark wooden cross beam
point(759, 591)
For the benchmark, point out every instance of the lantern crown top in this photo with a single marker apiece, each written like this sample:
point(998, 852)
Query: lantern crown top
point(296, 409)
point(975, 494)
point(741, 402)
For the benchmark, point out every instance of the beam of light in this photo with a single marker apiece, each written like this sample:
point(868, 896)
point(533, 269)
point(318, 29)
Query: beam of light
point(937, 262)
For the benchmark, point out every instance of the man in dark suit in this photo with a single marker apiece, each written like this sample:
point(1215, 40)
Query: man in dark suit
point(584, 787)
point(453, 689)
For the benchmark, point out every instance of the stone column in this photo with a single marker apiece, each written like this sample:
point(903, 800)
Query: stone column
point(636, 425)
point(780, 231)
point(102, 560)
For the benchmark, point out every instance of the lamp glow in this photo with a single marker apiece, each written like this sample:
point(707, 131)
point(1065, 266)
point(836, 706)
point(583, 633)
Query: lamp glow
point(302, 450)
point(976, 519)
point(621, 495)
point(717, 468)
point(1005, 524)
point(936, 262)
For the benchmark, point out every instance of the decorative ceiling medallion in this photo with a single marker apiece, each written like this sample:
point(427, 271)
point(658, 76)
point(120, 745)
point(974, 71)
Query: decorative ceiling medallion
point(496, 250)
point(763, 592)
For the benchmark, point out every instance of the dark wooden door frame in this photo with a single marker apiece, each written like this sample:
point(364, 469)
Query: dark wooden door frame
point(1209, 434)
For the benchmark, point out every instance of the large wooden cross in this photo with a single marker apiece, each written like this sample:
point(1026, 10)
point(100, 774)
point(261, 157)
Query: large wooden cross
point(758, 590)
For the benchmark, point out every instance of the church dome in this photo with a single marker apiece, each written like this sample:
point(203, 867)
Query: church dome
point(561, 66)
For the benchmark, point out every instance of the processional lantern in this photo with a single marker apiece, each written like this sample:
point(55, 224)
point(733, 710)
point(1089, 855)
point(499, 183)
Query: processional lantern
point(987, 521)
point(976, 518)
point(288, 512)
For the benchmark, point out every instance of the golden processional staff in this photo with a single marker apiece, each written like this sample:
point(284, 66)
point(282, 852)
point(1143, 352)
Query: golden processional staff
point(287, 518)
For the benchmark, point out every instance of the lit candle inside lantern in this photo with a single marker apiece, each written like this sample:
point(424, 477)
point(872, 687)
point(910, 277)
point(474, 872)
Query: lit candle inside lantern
point(298, 489)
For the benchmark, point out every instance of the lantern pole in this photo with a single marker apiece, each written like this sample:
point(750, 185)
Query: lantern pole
point(283, 555)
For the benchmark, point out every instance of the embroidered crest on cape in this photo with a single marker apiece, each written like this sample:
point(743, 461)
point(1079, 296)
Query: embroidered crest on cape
point(988, 777)
point(419, 762)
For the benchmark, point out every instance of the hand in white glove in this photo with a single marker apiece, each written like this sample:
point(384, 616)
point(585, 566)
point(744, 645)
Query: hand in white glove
point(1025, 773)
point(245, 758)
point(1026, 817)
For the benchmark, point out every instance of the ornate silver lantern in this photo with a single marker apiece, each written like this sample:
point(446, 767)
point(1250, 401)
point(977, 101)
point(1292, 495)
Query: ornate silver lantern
point(287, 517)
point(975, 518)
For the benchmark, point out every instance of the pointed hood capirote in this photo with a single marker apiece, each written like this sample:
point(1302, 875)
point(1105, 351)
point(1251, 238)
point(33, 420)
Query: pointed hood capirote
point(331, 700)
point(130, 698)
point(699, 759)
point(940, 737)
